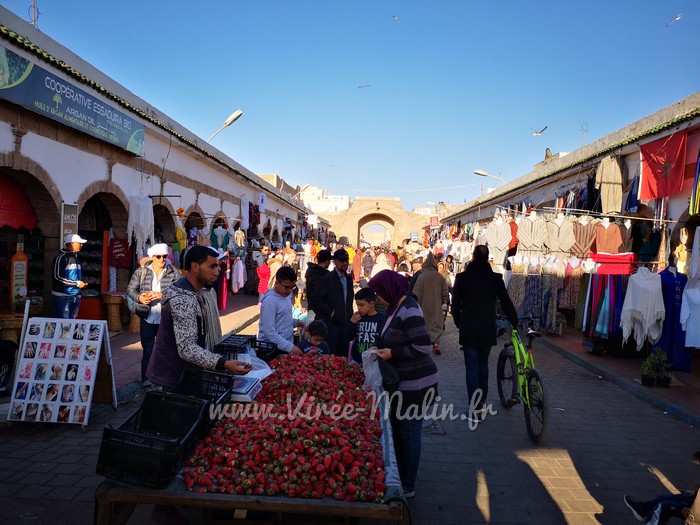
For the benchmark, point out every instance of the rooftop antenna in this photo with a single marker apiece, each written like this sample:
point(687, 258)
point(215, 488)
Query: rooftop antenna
point(34, 13)
point(583, 130)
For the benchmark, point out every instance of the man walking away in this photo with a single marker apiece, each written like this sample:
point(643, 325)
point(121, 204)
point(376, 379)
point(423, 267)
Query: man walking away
point(474, 296)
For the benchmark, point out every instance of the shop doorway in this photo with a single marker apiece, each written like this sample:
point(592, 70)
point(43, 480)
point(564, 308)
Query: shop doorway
point(29, 214)
point(100, 213)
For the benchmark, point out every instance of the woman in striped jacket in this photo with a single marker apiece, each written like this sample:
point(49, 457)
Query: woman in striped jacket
point(405, 342)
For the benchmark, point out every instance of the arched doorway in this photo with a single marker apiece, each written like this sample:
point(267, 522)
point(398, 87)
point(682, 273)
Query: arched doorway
point(163, 225)
point(193, 224)
point(100, 213)
point(28, 213)
point(375, 226)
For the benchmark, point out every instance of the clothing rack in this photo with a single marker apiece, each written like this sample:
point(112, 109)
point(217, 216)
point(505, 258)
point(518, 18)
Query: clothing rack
point(603, 215)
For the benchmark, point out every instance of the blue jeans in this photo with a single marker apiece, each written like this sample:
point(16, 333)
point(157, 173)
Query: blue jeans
point(148, 334)
point(660, 509)
point(476, 361)
point(66, 306)
point(407, 445)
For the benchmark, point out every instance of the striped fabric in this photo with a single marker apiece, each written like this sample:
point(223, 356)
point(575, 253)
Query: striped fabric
point(411, 347)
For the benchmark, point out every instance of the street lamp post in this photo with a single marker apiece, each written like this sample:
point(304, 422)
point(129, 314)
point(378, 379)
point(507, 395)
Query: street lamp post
point(482, 173)
point(230, 120)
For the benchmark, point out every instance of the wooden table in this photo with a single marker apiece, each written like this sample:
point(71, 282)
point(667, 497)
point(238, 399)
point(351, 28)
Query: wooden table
point(115, 503)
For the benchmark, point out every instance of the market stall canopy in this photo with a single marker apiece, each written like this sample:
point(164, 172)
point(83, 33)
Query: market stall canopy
point(15, 208)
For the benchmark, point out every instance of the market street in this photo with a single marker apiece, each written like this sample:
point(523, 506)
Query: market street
point(602, 442)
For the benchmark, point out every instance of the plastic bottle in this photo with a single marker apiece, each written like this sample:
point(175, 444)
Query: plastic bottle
point(19, 268)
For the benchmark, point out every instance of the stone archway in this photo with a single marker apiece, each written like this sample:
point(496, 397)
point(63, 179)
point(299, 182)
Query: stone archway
point(373, 219)
point(366, 210)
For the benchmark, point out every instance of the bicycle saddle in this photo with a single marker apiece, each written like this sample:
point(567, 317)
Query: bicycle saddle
point(533, 333)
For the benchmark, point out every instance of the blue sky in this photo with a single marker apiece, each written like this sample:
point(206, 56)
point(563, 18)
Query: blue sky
point(452, 85)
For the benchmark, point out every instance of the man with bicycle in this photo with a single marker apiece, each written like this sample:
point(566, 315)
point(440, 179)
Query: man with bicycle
point(474, 296)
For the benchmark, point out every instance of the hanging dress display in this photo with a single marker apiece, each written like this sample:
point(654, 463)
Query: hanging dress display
point(672, 339)
point(608, 180)
point(245, 213)
point(643, 311)
point(560, 237)
point(584, 235)
point(531, 233)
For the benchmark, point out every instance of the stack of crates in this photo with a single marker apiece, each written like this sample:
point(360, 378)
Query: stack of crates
point(149, 447)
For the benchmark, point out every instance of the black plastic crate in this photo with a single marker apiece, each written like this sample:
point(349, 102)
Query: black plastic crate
point(148, 448)
point(233, 345)
point(209, 385)
point(264, 350)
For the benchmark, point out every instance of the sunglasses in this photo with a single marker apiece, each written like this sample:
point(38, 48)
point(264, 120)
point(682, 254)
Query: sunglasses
point(159, 256)
point(286, 286)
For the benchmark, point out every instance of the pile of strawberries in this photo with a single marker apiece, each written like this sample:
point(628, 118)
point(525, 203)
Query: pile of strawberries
point(318, 438)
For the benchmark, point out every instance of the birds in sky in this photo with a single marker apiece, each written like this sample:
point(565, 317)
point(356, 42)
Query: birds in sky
point(678, 17)
point(396, 18)
point(363, 86)
point(538, 133)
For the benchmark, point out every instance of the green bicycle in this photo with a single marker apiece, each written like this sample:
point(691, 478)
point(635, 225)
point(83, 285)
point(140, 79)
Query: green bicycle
point(519, 381)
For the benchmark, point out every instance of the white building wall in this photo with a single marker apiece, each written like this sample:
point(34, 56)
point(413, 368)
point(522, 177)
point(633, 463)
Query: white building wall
point(6, 138)
point(71, 169)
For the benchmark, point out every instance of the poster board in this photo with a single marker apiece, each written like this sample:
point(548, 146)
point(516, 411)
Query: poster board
point(57, 368)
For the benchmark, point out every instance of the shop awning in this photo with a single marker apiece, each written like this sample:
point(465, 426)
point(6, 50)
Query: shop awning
point(15, 208)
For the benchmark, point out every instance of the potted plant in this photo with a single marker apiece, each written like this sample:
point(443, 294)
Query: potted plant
point(648, 370)
point(662, 377)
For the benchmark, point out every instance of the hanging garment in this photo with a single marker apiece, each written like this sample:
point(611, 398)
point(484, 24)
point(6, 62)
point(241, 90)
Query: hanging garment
point(516, 291)
point(181, 234)
point(219, 238)
point(584, 235)
point(582, 301)
point(690, 315)
point(140, 223)
point(694, 208)
point(203, 237)
point(608, 239)
point(560, 237)
point(238, 276)
point(626, 234)
point(632, 202)
point(245, 213)
point(570, 287)
point(608, 179)
point(498, 236)
point(531, 235)
point(672, 339)
point(643, 310)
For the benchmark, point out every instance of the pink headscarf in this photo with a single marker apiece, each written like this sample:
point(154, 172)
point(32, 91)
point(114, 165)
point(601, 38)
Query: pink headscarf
point(390, 286)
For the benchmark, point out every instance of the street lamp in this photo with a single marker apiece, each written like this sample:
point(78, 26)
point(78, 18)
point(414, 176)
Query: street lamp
point(482, 173)
point(230, 120)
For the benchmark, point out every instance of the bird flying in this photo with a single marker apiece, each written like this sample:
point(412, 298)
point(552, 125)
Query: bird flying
point(538, 133)
point(396, 18)
point(678, 17)
point(363, 86)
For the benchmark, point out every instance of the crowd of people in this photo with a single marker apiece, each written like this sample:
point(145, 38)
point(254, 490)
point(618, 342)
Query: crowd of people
point(337, 300)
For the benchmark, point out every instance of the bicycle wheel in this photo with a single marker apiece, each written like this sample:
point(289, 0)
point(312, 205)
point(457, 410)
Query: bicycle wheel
point(536, 409)
point(507, 378)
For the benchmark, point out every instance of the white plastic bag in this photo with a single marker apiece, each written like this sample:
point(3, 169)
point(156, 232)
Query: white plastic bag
point(373, 377)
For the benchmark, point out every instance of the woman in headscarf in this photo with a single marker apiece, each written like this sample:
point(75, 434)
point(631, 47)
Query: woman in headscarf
point(404, 340)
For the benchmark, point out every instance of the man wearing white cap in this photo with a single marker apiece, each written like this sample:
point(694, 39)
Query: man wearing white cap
point(67, 278)
point(145, 291)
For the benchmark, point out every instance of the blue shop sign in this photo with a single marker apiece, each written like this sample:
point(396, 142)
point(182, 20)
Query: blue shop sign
point(37, 90)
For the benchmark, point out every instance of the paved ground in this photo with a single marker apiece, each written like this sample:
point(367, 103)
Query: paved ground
point(605, 438)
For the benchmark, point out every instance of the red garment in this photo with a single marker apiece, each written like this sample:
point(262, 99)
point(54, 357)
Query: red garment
point(614, 264)
point(264, 277)
point(663, 166)
point(514, 235)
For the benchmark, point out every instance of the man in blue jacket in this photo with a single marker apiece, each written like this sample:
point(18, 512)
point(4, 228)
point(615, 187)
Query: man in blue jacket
point(67, 278)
